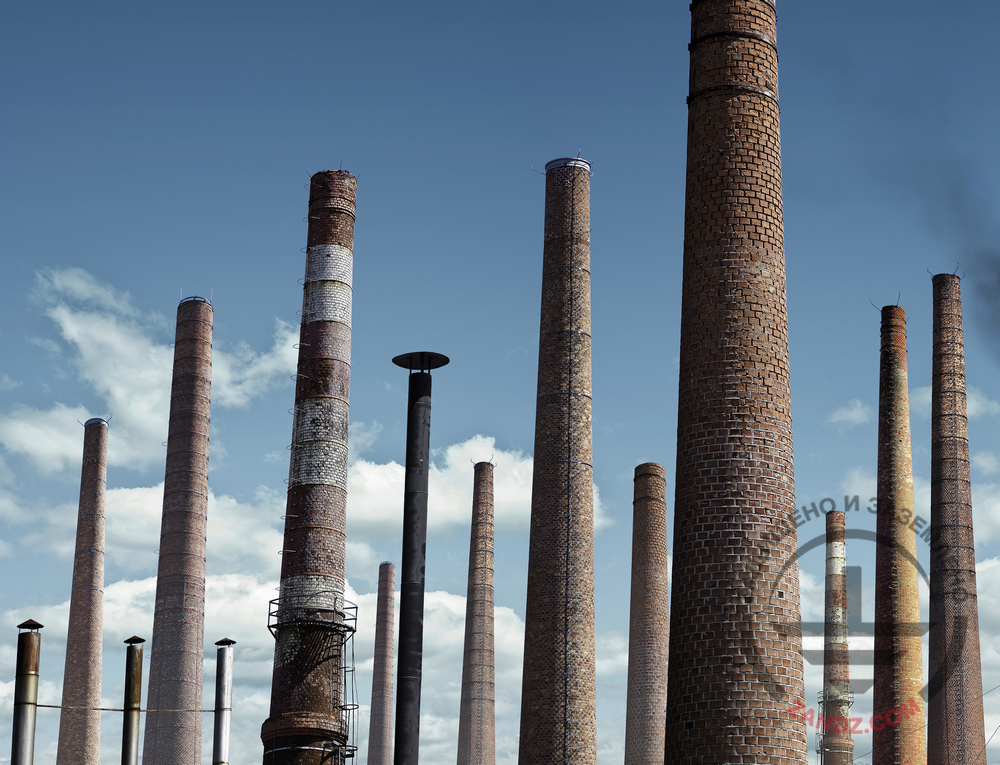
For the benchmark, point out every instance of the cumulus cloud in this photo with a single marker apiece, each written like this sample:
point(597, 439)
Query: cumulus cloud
point(112, 350)
point(852, 414)
point(986, 463)
point(986, 511)
point(978, 403)
point(376, 491)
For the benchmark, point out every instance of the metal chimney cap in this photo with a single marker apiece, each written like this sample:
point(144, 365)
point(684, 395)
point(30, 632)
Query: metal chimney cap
point(95, 420)
point(567, 162)
point(421, 361)
point(135, 639)
point(195, 299)
point(225, 641)
point(31, 624)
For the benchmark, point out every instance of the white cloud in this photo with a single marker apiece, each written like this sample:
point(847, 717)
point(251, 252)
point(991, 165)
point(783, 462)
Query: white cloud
point(978, 404)
point(986, 511)
point(376, 491)
point(361, 438)
point(243, 537)
point(80, 286)
point(7, 384)
point(920, 402)
point(612, 653)
point(850, 415)
point(240, 375)
point(113, 351)
point(51, 438)
point(986, 462)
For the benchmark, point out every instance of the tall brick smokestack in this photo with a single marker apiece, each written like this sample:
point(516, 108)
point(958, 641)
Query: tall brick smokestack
point(649, 620)
point(899, 676)
point(175, 665)
point(380, 721)
point(307, 725)
point(558, 691)
point(955, 732)
point(80, 728)
point(836, 745)
point(476, 721)
point(735, 639)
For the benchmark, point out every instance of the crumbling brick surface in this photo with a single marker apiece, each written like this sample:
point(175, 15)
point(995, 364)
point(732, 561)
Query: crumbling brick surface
point(307, 713)
point(735, 664)
point(476, 721)
point(899, 678)
point(649, 617)
point(558, 697)
point(955, 731)
point(80, 728)
point(836, 744)
point(380, 725)
point(177, 646)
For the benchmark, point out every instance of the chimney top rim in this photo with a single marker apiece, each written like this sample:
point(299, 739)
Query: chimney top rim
point(568, 162)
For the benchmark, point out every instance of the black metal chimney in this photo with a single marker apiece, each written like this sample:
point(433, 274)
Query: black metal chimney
point(411, 590)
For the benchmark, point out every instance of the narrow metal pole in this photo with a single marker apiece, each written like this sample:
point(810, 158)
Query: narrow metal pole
point(133, 701)
point(411, 589)
point(29, 646)
point(223, 701)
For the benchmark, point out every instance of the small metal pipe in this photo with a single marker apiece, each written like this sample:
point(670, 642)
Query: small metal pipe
point(223, 701)
point(133, 701)
point(29, 646)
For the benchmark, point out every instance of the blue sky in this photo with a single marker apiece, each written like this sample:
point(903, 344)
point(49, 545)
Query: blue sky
point(155, 151)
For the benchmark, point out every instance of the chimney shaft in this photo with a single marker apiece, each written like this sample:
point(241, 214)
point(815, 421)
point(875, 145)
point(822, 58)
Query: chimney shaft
point(836, 745)
point(380, 725)
point(558, 697)
point(476, 722)
point(177, 651)
point(80, 727)
point(899, 680)
point(649, 620)
point(412, 569)
point(307, 724)
point(734, 549)
point(955, 732)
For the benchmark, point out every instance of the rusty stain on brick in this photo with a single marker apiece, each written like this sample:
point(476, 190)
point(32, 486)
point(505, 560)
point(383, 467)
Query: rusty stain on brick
point(649, 620)
point(307, 724)
point(735, 663)
point(80, 729)
point(558, 697)
point(955, 731)
point(899, 679)
point(177, 647)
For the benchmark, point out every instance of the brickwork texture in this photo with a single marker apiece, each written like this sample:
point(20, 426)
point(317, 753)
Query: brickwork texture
point(649, 620)
point(80, 729)
point(380, 725)
point(177, 648)
point(899, 678)
point(476, 721)
point(955, 731)
point(307, 724)
point(558, 691)
point(836, 745)
point(735, 639)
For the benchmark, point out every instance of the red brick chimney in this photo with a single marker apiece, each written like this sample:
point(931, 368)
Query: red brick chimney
point(898, 734)
point(735, 642)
